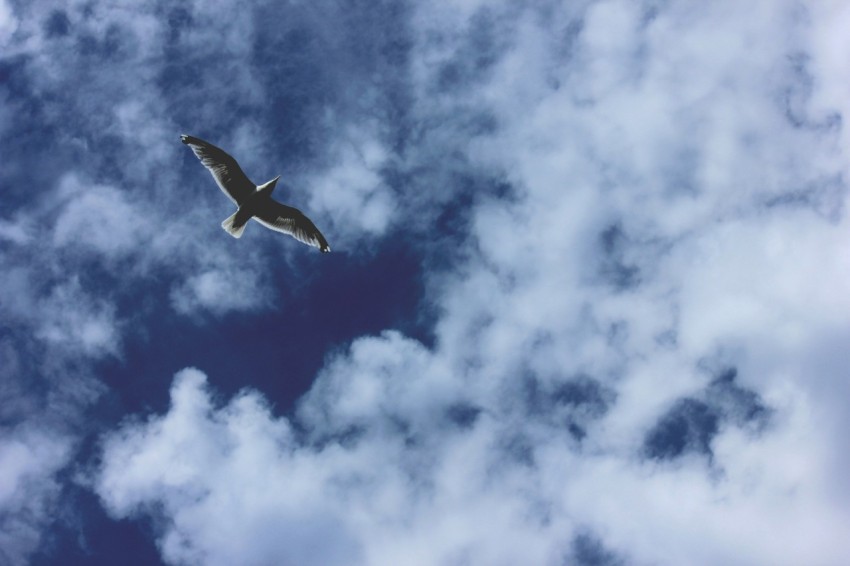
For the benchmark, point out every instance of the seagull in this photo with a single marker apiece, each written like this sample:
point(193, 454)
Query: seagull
point(254, 201)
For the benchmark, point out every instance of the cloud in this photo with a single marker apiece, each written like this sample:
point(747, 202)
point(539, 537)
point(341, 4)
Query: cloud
point(99, 218)
point(8, 23)
point(418, 485)
point(169, 460)
point(78, 322)
point(220, 291)
point(352, 191)
point(29, 458)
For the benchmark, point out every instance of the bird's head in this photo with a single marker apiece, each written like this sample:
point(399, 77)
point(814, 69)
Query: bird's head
point(268, 187)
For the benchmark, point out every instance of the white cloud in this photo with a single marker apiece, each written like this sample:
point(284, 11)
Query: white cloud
point(189, 461)
point(14, 231)
point(29, 457)
point(445, 494)
point(131, 237)
point(98, 217)
point(22, 456)
point(64, 315)
point(352, 192)
point(8, 22)
point(219, 291)
point(71, 319)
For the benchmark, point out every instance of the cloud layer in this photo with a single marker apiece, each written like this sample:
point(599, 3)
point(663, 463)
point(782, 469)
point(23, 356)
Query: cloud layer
point(631, 224)
point(639, 354)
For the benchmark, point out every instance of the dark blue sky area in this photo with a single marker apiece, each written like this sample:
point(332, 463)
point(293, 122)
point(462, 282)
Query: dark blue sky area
point(278, 350)
point(86, 535)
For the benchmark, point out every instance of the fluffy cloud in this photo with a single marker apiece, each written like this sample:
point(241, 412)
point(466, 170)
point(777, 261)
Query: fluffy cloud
point(96, 217)
point(169, 460)
point(353, 192)
point(220, 291)
point(398, 470)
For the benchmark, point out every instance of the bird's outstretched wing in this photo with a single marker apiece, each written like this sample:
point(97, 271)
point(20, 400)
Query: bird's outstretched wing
point(291, 221)
point(223, 167)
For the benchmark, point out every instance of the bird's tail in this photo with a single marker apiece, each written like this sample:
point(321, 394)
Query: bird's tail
point(231, 227)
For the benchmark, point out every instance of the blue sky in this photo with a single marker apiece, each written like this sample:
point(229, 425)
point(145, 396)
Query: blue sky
point(587, 301)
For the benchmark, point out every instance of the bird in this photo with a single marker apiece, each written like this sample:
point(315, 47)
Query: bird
point(253, 201)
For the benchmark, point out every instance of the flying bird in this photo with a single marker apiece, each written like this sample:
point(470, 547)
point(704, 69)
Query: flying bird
point(254, 201)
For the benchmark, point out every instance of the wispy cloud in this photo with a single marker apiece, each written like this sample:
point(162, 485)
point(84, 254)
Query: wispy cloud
point(29, 458)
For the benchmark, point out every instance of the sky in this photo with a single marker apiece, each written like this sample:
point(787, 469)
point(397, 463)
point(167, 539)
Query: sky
point(588, 302)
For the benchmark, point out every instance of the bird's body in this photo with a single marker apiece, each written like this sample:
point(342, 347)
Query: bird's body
point(254, 201)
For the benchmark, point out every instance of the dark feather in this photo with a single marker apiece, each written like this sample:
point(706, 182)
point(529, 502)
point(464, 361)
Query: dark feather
point(291, 221)
point(225, 170)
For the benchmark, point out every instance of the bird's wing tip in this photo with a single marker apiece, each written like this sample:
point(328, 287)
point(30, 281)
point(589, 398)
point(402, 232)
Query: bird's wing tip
point(184, 138)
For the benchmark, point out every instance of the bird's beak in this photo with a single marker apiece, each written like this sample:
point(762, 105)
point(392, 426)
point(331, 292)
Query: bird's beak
point(268, 187)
